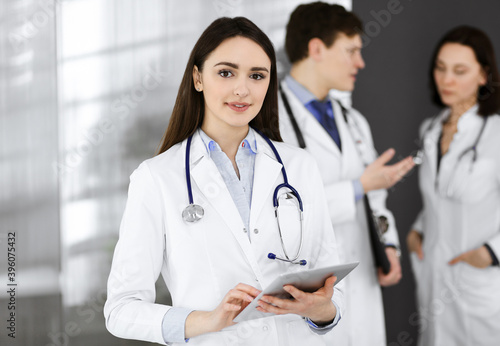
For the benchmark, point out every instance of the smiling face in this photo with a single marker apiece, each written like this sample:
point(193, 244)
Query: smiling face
point(458, 75)
point(234, 80)
point(341, 62)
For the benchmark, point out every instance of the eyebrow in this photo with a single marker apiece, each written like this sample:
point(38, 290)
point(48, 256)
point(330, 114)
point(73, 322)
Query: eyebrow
point(460, 64)
point(230, 64)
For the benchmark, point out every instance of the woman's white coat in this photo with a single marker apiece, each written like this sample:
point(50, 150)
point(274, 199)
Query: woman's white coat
point(200, 262)
point(460, 304)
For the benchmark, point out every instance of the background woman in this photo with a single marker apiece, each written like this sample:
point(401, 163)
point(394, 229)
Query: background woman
point(455, 241)
point(214, 267)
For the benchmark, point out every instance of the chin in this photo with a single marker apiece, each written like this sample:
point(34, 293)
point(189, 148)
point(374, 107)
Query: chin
point(448, 101)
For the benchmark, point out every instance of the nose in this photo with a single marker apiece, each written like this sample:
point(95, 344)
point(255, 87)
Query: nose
point(360, 63)
point(447, 77)
point(241, 88)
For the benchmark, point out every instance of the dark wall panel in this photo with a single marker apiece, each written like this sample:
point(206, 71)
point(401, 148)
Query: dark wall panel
point(392, 92)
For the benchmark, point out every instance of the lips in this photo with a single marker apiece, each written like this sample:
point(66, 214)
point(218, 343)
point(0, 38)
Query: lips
point(238, 106)
point(446, 92)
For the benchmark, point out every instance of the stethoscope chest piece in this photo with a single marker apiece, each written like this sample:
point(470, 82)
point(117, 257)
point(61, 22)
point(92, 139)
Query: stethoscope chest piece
point(193, 213)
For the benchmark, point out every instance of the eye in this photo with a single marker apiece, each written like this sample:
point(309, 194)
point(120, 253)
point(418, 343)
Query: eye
point(460, 72)
point(352, 51)
point(225, 73)
point(257, 76)
point(439, 68)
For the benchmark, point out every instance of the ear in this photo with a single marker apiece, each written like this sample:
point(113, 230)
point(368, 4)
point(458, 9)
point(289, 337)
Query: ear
point(198, 85)
point(315, 48)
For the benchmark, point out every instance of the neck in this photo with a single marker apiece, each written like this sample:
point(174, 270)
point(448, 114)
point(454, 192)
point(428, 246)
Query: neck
point(228, 139)
point(459, 109)
point(304, 73)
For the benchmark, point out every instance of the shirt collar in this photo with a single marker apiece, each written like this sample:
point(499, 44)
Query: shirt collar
point(248, 143)
point(304, 95)
point(467, 114)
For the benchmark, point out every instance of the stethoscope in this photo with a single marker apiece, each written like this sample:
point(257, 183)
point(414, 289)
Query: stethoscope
point(418, 158)
point(194, 212)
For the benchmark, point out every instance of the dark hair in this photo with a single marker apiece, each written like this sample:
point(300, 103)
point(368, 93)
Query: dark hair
point(488, 96)
point(321, 20)
point(189, 108)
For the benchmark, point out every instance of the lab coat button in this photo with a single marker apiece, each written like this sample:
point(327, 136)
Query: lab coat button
point(265, 328)
point(256, 231)
point(245, 230)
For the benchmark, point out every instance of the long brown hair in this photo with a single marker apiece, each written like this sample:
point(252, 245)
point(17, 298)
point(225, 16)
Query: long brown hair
point(189, 108)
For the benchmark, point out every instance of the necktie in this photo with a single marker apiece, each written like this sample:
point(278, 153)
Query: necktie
point(324, 113)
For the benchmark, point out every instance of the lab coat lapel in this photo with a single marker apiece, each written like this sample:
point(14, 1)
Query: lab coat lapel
point(208, 180)
point(349, 151)
point(309, 125)
point(267, 171)
point(431, 143)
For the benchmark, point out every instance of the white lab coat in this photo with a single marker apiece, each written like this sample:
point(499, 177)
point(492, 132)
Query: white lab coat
point(200, 262)
point(460, 304)
point(363, 323)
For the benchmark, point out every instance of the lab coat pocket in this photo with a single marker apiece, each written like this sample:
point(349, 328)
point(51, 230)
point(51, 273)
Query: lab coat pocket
point(249, 333)
point(299, 333)
point(478, 277)
point(478, 287)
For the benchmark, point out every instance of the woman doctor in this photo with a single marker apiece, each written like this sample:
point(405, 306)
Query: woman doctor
point(213, 255)
point(456, 238)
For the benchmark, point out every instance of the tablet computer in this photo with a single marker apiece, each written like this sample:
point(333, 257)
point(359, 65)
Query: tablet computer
point(305, 280)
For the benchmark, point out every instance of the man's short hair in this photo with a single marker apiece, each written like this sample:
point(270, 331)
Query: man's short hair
point(321, 20)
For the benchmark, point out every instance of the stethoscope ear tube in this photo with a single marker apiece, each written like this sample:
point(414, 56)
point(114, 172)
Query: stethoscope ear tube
point(193, 212)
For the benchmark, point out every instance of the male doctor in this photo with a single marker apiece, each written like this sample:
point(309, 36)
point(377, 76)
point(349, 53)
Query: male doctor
point(324, 46)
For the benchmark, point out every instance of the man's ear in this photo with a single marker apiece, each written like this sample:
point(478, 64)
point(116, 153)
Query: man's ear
point(198, 85)
point(315, 48)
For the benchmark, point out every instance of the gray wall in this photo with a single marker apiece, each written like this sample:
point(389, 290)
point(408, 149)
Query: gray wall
point(392, 92)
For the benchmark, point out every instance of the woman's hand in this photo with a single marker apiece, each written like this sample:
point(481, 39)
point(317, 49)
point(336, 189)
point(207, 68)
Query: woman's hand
point(479, 258)
point(201, 322)
point(395, 274)
point(414, 243)
point(317, 306)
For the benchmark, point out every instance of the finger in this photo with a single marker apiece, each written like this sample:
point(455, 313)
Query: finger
point(247, 289)
point(330, 282)
point(400, 169)
point(420, 252)
point(234, 294)
point(232, 307)
point(294, 292)
point(456, 260)
point(267, 307)
point(385, 157)
point(279, 303)
point(407, 164)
